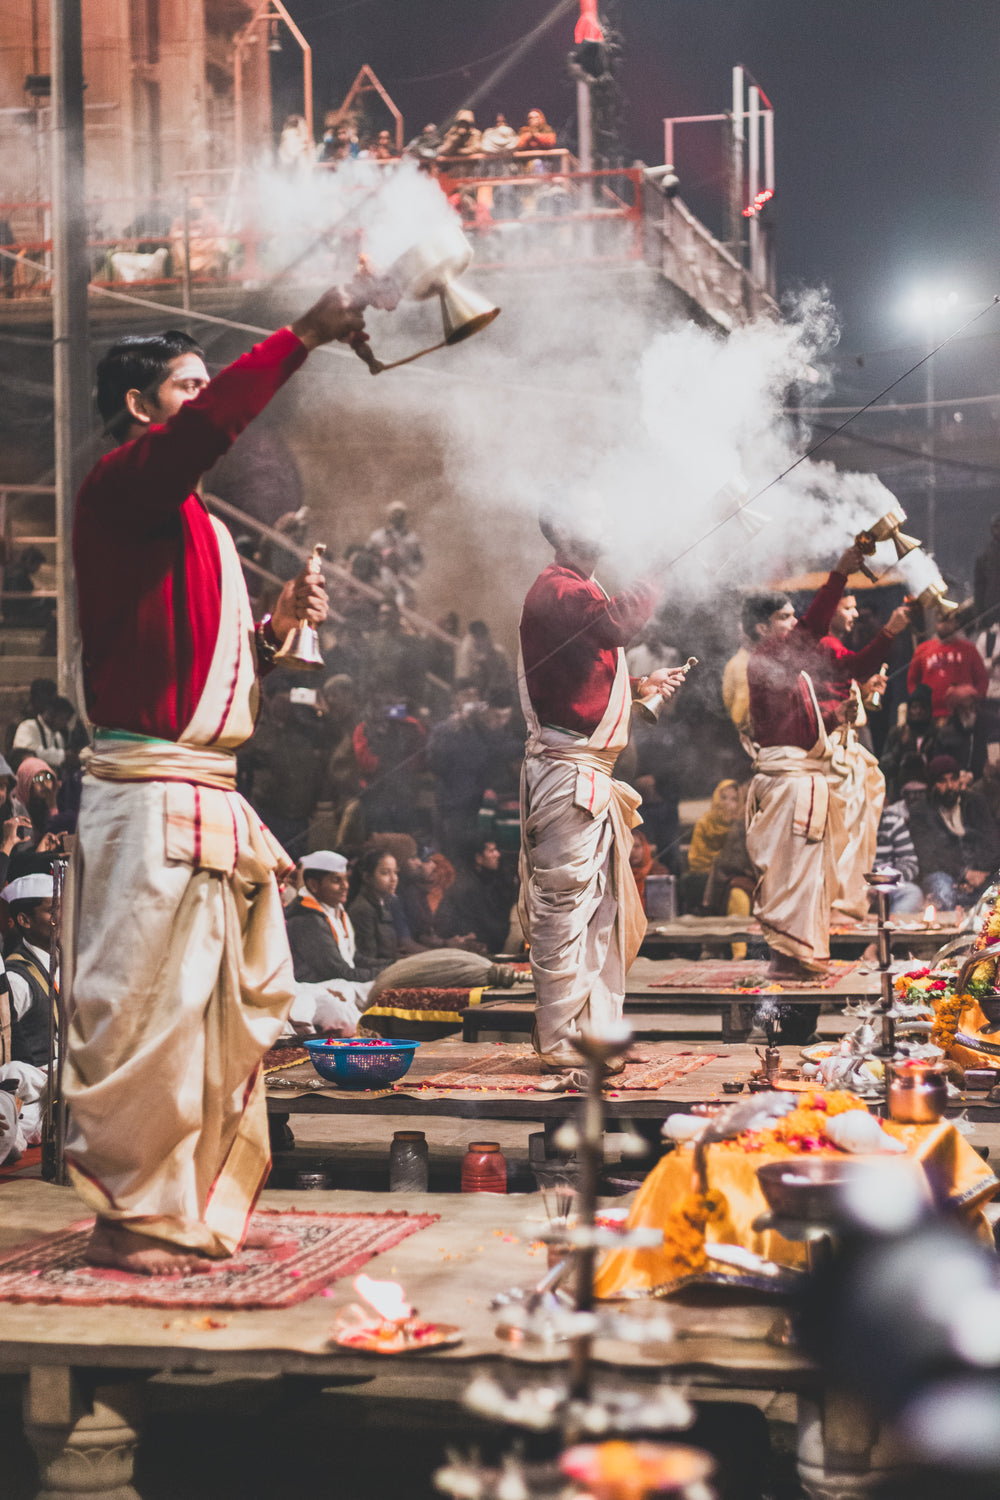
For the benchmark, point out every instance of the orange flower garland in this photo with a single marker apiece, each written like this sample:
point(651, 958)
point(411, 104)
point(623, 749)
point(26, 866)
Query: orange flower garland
point(684, 1231)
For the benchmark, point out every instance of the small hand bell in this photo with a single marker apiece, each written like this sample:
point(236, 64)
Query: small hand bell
point(300, 649)
point(649, 709)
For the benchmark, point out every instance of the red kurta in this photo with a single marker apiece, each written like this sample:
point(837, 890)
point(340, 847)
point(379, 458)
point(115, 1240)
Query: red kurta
point(570, 635)
point(781, 711)
point(146, 556)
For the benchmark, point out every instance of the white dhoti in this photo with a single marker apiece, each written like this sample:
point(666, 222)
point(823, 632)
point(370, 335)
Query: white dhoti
point(790, 845)
point(858, 790)
point(579, 906)
point(179, 974)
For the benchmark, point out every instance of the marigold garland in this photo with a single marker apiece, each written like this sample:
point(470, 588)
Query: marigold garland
point(684, 1231)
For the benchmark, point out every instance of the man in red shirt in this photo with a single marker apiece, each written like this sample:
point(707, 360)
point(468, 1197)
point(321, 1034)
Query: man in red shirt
point(579, 905)
point(798, 808)
point(947, 661)
point(180, 972)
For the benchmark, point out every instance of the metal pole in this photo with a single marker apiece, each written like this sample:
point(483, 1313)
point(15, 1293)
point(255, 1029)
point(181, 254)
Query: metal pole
point(930, 525)
point(585, 146)
point(736, 169)
point(71, 355)
point(186, 272)
point(753, 186)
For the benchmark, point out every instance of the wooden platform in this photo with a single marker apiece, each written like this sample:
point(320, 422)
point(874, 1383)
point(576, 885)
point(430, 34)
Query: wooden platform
point(432, 1058)
point(642, 995)
point(685, 934)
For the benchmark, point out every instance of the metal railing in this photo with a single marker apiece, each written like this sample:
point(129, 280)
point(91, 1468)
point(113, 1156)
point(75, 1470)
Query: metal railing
point(229, 238)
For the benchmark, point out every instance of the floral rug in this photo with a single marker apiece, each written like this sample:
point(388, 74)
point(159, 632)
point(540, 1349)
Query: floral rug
point(310, 1250)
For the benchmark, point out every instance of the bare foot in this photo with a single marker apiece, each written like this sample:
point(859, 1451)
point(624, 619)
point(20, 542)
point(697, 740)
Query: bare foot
point(113, 1245)
point(259, 1238)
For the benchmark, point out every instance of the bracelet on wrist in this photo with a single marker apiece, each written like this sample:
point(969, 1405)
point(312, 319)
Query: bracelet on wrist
point(267, 642)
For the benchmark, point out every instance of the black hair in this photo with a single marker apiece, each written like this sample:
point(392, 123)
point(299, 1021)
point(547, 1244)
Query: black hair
point(25, 907)
point(42, 690)
point(139, 362)
point(367, 863)
point(61, 706)
point(758, 609)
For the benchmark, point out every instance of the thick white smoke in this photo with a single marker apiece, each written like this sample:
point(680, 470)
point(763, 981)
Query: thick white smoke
point(578, 386)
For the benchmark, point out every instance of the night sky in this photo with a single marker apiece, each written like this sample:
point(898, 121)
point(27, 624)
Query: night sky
point(886, 123)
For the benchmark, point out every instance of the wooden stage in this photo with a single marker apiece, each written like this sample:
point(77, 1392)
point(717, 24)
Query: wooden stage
point(85, 1368)
point(911, 936)
point(506, 1010)
point(407, 1098)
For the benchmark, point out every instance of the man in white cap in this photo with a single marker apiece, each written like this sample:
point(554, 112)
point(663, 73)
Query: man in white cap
point(30, 901)
point(321, 937)
point(24, 1046)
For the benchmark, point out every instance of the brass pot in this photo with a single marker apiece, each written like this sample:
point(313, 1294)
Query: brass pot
point(917, 1092)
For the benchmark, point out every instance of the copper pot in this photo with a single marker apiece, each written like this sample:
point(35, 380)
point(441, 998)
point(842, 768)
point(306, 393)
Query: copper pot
point(918, 1092)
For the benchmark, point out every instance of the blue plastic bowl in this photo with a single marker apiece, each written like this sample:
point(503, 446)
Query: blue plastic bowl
point(361, 1063)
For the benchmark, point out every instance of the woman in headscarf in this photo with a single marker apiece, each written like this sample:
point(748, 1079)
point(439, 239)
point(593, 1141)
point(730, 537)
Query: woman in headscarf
point(706, 842)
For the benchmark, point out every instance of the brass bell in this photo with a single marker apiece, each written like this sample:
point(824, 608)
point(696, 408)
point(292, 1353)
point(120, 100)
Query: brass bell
point(649, 709)
point(299, 651)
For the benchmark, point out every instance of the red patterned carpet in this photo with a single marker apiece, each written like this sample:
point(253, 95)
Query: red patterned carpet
point(312, 1249)
point(514, 1069)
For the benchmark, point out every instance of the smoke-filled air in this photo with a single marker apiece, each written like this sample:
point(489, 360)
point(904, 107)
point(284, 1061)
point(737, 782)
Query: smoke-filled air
point(583, 384)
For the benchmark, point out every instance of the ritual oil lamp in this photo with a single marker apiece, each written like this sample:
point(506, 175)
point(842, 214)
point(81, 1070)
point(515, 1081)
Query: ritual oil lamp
point(396, 1328)
point(885, 529)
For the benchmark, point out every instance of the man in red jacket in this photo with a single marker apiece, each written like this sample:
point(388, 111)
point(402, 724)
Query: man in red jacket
point(579, 905)
point(180, 971)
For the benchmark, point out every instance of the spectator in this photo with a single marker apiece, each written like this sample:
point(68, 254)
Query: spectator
point(202, 235)
point(911, 738)
point(45, 733)
point(373, 884)
point(320, 932)
point(389, 748)
point(395, 658)
point(987, 643)
point(27, 962)
point(463, 139)
point(956, 839)
point(478, 905)
point(988, 787)
point(339, 719)
point(382, 149)
point(706, 842)
point(397, 545)
point(536, 134)
point(971, 726)
point(499, 139)
point(986, 579)
point(281, 767)
point(295, 147)
point(480, 662)
point(730, 888)
point(461, 753)
point(660, 819)
point(948, 660)
point(417, 879)
point(19, 579)
point(894, 847)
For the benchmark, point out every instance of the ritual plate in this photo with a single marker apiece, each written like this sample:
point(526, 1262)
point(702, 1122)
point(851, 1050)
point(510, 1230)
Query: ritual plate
point(443, 1336)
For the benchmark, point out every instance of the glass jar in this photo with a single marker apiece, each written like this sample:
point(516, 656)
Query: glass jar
point(484, 1168)
point(408, 1162)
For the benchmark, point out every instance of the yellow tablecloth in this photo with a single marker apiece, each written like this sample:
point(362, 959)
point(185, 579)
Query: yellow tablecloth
point(955, 1172)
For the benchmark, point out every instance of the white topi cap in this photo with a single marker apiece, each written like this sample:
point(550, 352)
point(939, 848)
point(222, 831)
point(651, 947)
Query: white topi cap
point(325, 860)
point(28, 888)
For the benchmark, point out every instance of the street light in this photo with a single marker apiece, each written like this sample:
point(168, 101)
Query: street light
point(927, 307)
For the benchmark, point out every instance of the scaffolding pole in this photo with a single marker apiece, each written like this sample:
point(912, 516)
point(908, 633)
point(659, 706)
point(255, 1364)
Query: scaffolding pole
point(71, 355)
